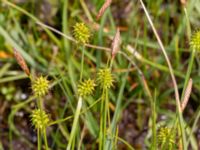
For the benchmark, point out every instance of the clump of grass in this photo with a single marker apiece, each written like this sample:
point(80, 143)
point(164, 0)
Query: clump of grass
point(76, 79)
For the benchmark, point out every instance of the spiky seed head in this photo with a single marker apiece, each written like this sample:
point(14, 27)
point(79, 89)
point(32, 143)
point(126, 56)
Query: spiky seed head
point(165, 136)
point(195, 41)
point(40, 119)
point(86, 87)
point(105, 78)
point(40, 86)
point(81, 33)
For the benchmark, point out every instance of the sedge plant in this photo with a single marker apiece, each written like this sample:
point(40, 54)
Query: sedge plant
point(39, 118)
point(105, 80)
point(40, 87)
point(82, 35)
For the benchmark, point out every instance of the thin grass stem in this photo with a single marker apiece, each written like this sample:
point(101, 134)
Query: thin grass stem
point(45, 139)
point(38, 139)
point(75, 123)
point(178, 105)
point(82, 62)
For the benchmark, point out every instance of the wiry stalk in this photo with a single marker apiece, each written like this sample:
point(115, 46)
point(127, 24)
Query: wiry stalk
point(171, 73)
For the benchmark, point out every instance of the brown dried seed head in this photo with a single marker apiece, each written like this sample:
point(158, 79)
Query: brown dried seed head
point(187, 95)
point(103, 8)
point(21, 62)
point(115, 43)
point(183, 2)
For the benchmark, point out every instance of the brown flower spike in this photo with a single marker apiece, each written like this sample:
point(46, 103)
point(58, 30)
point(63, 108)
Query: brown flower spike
point(103, 8)
point(186, 97)
point(115, 43)
point(21, 62)
point(183, 2)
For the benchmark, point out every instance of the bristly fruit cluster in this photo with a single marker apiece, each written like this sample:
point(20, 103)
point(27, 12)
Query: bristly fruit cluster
point(166, 137)
point(40, 119)
point(105, 78)
point(195, 41)
point(40, 86)
point(86, 88)
point(81, 33)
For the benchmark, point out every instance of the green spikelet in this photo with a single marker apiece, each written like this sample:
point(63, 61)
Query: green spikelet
point(195, 41)
point(40, 86)
point(86, 88)
point(81, 33)
point(165, 137)
point(39, 119)
point(105, 78)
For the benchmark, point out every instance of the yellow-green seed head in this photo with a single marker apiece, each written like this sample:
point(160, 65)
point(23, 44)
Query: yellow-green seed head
point(40, 86)
point(86, 88)
point(165, 136)
point(81, 33)
point(195, 41)
point(105, 78)
point(40, 119)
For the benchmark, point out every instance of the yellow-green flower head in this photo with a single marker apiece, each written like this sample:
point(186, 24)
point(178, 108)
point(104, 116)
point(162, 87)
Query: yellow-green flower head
point(86, 88)
point(81, 33)
point(165, 136)
point(195, 41)
point(40, 86)
point(40, 119)
point(105, 78)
